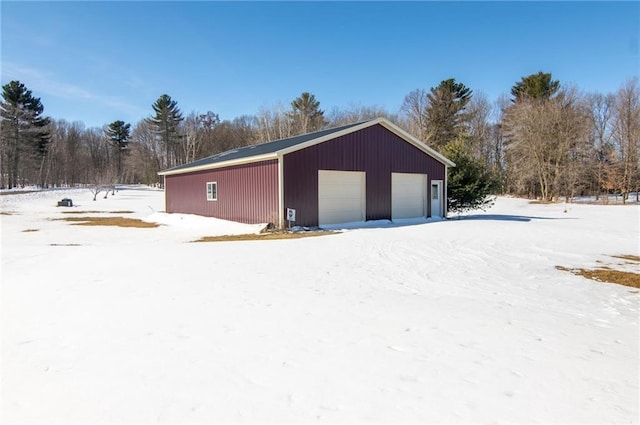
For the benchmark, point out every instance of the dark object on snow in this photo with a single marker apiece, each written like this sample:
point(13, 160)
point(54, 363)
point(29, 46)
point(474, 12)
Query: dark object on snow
point(66, 202)
point(270, 227)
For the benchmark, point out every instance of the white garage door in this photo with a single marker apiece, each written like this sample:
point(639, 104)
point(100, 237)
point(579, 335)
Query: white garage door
point(408, 195)
point(341, 196)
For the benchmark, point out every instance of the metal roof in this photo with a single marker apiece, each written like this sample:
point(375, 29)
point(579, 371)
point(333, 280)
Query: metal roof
point(260, 149)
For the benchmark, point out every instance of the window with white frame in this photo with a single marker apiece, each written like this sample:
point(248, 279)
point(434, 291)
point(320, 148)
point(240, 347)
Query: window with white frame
point(212, 191)
point(435, 191)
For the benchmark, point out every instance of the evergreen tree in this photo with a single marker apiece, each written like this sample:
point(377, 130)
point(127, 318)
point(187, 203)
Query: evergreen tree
point(165, 123)
point(469, 183)
point(535, 86)
point(118, 133)
point(445, 112)
point(24, 130)
point(306, 114)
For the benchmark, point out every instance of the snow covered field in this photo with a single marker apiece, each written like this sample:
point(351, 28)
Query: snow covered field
point(452, 321)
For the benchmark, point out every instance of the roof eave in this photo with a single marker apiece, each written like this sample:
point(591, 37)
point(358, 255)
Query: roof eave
point(239, 161)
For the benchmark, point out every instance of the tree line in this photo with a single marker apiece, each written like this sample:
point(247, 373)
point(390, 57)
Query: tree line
point(545, 140)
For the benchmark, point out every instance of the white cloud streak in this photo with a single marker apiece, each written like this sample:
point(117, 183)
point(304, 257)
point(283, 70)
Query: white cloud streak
point(43, 82)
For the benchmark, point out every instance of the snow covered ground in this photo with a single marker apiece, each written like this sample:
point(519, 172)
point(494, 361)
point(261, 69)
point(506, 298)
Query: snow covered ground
point(451, 321)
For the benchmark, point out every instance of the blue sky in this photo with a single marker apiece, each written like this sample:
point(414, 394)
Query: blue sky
point(97, 62)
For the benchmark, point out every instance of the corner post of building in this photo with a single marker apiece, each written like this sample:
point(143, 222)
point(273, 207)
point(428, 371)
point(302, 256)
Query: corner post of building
point(445, 198)
point(281, 223)
point(164, 189)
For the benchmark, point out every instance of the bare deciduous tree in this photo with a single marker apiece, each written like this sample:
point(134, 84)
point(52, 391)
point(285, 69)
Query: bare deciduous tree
point(627, 136)
point(274, 123)
point(414, 108)
point(602, 164)
point(545, 144)
point(192, 137)
point(359, 113)
point(478, 124)
point(145, 159)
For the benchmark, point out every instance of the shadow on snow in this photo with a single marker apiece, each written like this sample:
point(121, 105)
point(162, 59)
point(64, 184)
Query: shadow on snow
point(507, 217)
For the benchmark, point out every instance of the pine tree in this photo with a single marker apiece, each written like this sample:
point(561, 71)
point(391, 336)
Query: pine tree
point(118, 133)
point(165, 123)
point(306, 114)
point(535, 86)
point(445, 112)
point(469, 183)
point(24, 130)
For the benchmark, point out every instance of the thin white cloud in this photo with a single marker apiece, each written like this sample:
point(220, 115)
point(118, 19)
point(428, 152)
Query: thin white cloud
point(43, 82)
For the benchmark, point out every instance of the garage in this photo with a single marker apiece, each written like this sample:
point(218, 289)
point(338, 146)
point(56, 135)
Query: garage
point(408, 195)
point(364, 171)
point(341, 196)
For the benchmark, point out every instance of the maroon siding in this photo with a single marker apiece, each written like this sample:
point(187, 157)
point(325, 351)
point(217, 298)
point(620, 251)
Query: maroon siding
point(246, 193)
point(374, 150)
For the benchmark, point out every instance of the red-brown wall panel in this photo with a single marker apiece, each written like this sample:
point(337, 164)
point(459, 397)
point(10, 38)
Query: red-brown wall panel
point(374, 150)
point(247, 193)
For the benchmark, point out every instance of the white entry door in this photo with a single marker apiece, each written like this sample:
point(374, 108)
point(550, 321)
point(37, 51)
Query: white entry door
point(408, 195)
point(341, 196)
point(436, 198)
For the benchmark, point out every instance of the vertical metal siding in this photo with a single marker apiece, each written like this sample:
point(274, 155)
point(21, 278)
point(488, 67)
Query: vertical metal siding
point(247, 193)
point(375, 150)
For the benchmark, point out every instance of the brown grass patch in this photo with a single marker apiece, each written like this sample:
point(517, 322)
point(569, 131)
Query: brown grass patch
point(635, 258)
point(65, 244)
point(30, 230)
point(109, 221)
point(17, 192)
point(97, 212)
point(5, 213)
point(263, 236)
point(606, 274)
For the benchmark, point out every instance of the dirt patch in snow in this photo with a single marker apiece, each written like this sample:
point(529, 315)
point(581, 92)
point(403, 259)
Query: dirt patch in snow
point(607, 274)
point(263, 236)
point(634, 258)
point(97, 212)
point(30, 230)
point(17, 192)
point(108, 221)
